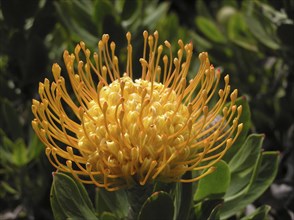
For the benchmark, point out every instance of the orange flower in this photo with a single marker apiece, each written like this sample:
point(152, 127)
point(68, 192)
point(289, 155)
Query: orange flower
point(120, 131)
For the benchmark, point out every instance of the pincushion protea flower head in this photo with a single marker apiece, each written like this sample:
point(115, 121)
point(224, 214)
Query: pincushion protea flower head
point(116, 131)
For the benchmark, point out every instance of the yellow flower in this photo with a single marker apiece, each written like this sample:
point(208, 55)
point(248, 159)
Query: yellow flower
point(120, 132)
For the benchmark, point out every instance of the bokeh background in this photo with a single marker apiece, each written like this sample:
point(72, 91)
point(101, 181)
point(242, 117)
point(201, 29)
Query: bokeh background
point(252, 40)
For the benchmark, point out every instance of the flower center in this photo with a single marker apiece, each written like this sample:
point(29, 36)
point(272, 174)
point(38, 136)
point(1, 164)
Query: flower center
point(130, 125)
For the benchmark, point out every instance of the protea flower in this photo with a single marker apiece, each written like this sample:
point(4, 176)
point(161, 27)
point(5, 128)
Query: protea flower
point(114, 131)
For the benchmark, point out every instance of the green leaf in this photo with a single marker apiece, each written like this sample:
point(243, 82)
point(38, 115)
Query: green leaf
point(245, 118)
point(215, 213)
point(131, 15)
point(35, 147)
point(258, 30)
point(168, 26)
point(243, 163)
point(74, 17)
point(247, 155)
point(210, 30)
point(153, 14)
point(57, 209)
point(19, 156)
point(241, 183)
point(13, 152)
point(115, 202)
point(202, 43)
point(82, 11)
point(69, 198)
point(208, 209)
point(157, 207)
point(100, 204)
point(207, 185)
point(259, 214)
point(8, 188)
point(108, 216)
point(6, 148)
point(261, 178)
point(239, 33)
point(120, 5)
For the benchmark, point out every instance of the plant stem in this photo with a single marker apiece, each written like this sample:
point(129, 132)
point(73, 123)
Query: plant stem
point(137, 196)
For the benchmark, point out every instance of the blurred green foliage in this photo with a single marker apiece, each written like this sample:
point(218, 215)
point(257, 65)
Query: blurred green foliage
point(252, 40)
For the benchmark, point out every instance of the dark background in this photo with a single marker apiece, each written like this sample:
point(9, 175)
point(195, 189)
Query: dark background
point(250, 40)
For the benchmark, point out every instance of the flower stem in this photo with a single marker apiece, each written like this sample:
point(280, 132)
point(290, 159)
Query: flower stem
point(137, 196)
